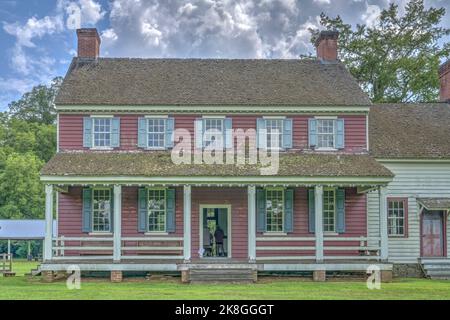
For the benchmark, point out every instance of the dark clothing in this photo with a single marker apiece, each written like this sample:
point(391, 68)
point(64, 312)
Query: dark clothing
point(218, 235)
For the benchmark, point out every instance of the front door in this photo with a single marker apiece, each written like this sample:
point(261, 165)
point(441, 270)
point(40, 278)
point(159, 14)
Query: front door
point(215, 232)
point(432, 234)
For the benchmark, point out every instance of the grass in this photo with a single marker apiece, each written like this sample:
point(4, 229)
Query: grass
point(21, 287)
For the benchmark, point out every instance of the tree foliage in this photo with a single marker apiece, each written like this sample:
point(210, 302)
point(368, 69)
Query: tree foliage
point(397, 58)
point(27, 141)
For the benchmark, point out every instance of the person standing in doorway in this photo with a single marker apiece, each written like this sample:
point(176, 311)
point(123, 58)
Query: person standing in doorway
point(218, 236)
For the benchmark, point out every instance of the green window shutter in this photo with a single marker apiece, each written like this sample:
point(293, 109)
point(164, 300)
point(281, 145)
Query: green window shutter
point(142, 133)
point(115, 132)
point(260, 210)
point(199, 133)
point(87, 132)
point(228, 136)
point(87, 210)
point(142, 210)
point(312, 132)
point(111, 212)
point(340, 210)
point(261, 137)
point(289, 210)
point(311, 211)
point(170, 210)
point(340, 134)
point(287, 133)
point(170, 127)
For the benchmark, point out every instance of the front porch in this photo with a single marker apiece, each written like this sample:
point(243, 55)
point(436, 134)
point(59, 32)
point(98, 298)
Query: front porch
point(125, 248)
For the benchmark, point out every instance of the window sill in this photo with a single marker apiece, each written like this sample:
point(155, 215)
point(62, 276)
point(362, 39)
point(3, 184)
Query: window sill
point(330, 234)
point(274, 234)
point(326, 149)
point(101, 148)
point(100, 233)
point(155, 149)
point(156, 233)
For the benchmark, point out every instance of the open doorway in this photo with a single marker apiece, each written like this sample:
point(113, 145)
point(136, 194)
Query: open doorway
point(215, 231)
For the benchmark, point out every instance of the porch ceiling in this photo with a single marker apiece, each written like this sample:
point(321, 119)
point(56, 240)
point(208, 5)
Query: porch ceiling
point(122, 167)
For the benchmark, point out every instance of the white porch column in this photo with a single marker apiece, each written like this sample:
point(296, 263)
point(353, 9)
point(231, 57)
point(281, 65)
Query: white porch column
point(187, 222)
point(9, 246)
point(251, 223)
point(318, 204)
point(384, 246)
point(117, 242)
point(48, 248)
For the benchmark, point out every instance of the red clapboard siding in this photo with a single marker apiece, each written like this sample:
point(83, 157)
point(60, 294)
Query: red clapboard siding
point(71, 130)
point(237, 198)
point(355, 222)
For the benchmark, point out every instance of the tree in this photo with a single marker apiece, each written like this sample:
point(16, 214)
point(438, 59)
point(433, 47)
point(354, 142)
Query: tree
point(397, 58)
point(21, 192)
point(38, 105)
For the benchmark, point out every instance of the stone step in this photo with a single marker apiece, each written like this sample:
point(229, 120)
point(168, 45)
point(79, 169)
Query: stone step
point(438, 272)
point(222, 275)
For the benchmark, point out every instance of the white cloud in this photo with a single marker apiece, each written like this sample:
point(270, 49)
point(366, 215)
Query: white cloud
point(81, 13)
point(322, 1)
point(371, 15)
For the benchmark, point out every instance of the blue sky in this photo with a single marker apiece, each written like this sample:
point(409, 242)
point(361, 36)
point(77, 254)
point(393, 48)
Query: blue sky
point(38, 41)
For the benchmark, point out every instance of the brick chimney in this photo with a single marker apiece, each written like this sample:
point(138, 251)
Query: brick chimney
point(88, 43)
point(444, 78)
point(326, 46)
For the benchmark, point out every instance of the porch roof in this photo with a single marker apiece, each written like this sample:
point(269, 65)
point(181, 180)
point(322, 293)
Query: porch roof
point(435, 203)
point(159, 164)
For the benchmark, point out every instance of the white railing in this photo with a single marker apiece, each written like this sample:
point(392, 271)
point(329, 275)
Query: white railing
point(352, 248)
point(308, 249)
point(152, 247)
point(82, 248)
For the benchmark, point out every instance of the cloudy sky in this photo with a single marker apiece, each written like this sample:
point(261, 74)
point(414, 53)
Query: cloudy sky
point(37, 37)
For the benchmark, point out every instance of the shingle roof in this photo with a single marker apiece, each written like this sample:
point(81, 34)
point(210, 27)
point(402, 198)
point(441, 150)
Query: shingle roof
point(435, 203)
point(415, 131)
point(116, 81)
point(159, 164)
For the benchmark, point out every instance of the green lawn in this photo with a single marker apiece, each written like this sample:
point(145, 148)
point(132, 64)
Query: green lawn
point(21, 287)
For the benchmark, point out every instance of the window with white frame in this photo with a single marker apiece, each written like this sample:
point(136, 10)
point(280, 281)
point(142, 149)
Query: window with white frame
point(102, 132)
point(396, 217)
point(156, 129)
point(213, 131)
point(325, 133)
point(274, 131)
point(156, 210)
point(274, 210)
point(329, 210)
point(101, 211)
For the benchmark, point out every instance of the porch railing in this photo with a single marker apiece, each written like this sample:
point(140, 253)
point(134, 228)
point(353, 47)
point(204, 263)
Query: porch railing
point(86, 248)
point(303, 248)
point(152, 247)
point(101, 248)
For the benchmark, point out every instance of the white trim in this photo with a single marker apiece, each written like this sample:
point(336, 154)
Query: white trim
point(384, 238)
point(48, 243)
point(218, 117)
point(274, 117)
point(323, 266)
point(367, 132)
point(325, 149)
point(57, 132)
point(86, 266)
point(156, 233)
point(156, 116)
point(413, 160)
point(318, 199)
point(285, 248)
point(208, 180)
point(152, 238)
point(187, 222)
point(214, 109)
point(285, 238)
point(99, 233)
point(251, 206)
point(101, 116)
point(275, 233)
point(216, 206)
point(117, 226)
point(326, 117)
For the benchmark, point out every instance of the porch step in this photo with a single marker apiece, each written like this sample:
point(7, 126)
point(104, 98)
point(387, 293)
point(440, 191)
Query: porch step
point(437, 268)
point(211, 274)
point(35, 272)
